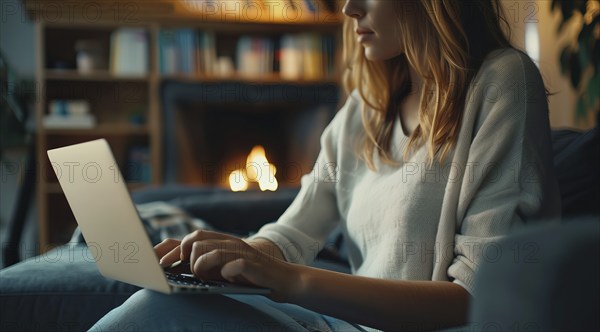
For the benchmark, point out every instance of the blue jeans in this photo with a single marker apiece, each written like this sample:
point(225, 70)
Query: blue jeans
point(151, 311)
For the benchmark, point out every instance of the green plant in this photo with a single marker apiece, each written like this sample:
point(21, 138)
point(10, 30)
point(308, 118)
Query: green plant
point(580, 60)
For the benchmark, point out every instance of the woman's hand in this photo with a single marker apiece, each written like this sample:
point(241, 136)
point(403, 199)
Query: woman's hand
point(217, 256)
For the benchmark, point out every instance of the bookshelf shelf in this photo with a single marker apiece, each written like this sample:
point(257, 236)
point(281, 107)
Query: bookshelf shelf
point(73, 75)
point(54, 187)
point(263, 79)
point(101, 130)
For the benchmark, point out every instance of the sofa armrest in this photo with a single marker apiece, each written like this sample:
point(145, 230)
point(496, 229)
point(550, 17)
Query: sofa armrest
point(576, 164)
point(544, 279)
point(61, 290)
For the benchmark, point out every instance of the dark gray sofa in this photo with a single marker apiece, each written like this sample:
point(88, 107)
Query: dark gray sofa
point(62, 290)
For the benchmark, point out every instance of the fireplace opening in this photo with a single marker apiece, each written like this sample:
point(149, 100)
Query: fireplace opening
point(210, 128)
point(214, 140)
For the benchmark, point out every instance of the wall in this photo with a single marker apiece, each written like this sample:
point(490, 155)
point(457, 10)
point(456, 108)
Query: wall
point(17, 43)
point(17, 37)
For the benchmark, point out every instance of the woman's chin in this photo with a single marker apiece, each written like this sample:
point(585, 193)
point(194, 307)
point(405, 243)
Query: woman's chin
point(374, 55)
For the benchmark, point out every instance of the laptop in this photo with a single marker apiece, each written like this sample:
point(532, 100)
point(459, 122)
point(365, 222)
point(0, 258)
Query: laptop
point(98, 196)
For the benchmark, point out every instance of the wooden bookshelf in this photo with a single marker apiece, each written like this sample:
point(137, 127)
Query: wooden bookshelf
point(107, 92)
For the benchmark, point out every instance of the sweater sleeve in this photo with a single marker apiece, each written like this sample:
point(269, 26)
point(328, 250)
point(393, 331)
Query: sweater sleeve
point(302, 229)
point(509, 178)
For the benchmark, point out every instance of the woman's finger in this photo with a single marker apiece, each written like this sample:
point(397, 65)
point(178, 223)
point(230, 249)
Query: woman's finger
point(200, 248)
point(171, 257)
point(200, 235)
point(208, 266)
point(165, 247)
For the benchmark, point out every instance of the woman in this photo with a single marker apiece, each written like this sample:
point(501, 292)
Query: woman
point(442, 147)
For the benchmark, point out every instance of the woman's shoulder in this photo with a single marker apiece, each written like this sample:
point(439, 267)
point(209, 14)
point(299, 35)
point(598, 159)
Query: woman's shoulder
point(508, 75)
point(508, 63)
point(347, 120)
point(506, 54)
point(508, 86)
point(354, 102)
point(349, 115)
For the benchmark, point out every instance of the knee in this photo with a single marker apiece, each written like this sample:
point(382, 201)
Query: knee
point(132, 315)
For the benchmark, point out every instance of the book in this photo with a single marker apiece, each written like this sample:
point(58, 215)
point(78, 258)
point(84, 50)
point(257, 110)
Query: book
point(303, 56)
point(129, 52)
point(185, 39)
point(209, 52)
point(167, 52)
point(80, 121)
point(254, 56)
point(186, 51)
point(312, 56)
point(291, 61)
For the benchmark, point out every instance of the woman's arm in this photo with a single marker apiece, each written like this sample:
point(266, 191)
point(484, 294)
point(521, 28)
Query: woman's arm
point(382, 304)
point(378, 303)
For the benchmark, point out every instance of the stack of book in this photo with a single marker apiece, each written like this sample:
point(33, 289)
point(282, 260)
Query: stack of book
point(292, 56)
point(69, 114)
point(254, 56)
point(306, 56)
point(185, 51)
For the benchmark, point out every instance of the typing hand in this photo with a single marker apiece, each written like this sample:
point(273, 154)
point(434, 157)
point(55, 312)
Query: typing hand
point(217, 256)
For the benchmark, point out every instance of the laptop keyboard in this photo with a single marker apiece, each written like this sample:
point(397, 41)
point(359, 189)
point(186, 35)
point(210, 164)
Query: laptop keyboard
point(190, 280)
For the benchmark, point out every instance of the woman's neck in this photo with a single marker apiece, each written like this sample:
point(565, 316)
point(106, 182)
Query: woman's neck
point(416, 82)
point(409, 108)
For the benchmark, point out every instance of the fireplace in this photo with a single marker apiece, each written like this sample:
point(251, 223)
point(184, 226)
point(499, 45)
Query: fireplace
point(210, 130)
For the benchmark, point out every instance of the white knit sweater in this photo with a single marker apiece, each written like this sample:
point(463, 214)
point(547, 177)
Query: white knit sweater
point(414, 223)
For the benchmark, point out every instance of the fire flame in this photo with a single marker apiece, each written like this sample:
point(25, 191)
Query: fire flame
point(237, 181)
point(258, 169)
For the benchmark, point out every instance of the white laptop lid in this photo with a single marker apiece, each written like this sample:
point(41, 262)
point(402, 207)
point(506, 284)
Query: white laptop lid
point(100, 201)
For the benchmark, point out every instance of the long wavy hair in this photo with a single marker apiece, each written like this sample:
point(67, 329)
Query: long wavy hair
point(445, 41)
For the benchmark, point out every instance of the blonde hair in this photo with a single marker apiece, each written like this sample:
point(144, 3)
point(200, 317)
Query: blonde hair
point(444, 41)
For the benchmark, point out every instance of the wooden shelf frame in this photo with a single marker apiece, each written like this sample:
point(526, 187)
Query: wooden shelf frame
point(153, 19)
point(289, 13)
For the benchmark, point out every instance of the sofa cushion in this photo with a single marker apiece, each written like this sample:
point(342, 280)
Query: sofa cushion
point(59, 290)
point(576, 164)
point(62, 290)
point(237, 212)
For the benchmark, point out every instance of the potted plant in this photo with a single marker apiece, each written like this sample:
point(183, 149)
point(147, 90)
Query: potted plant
point(580, 60)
